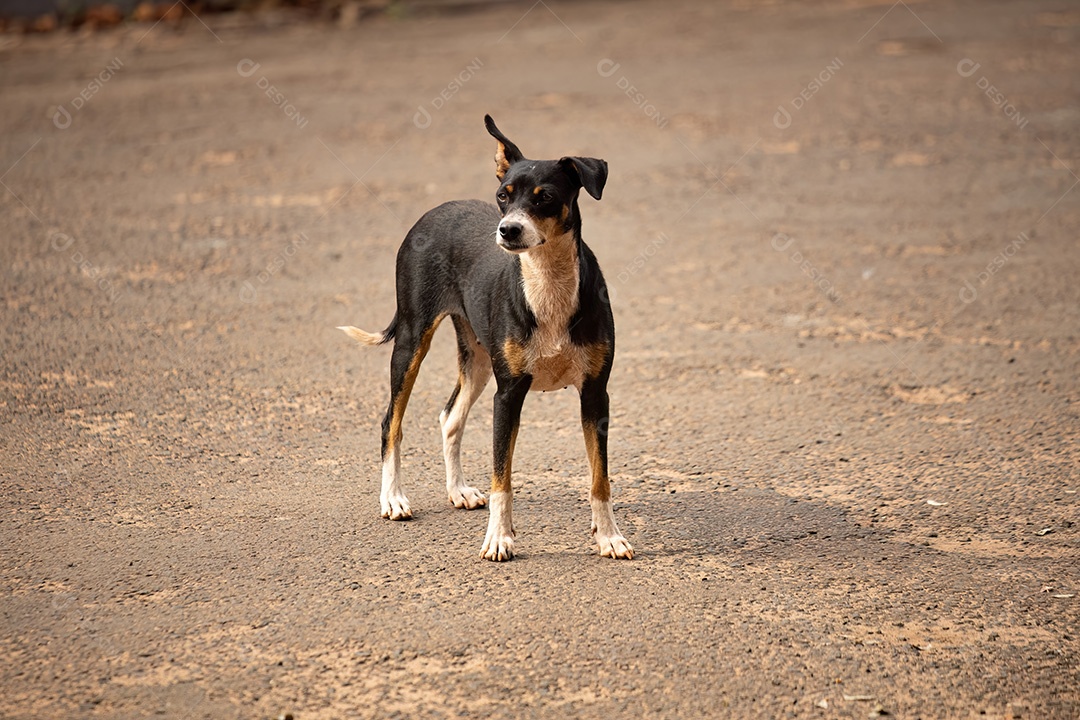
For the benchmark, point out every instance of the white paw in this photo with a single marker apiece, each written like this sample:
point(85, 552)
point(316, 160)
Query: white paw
point(467, 497)
point(499, 541)
point(615, 546)
point(396, 507)
point(498, 547)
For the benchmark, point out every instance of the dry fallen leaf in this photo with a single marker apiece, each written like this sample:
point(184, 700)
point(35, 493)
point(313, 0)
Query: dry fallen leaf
point(935, 503)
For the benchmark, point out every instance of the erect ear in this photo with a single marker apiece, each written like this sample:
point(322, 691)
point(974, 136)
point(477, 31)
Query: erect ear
point(507, 152)
point(591, 173)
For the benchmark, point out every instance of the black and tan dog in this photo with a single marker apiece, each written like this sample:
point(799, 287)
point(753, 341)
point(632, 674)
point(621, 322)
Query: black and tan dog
point(532, 310)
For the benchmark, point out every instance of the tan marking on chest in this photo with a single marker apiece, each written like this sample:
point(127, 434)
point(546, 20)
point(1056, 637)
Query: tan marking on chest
point(570, 365)
point(549, 276)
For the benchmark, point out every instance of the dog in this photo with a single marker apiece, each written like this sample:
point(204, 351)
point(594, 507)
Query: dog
point(529, 305)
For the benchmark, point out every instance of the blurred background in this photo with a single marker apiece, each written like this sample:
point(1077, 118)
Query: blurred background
point(840, 240)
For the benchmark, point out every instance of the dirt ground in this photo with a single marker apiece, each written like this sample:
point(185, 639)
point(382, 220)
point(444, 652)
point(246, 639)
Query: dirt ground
point(841, 244)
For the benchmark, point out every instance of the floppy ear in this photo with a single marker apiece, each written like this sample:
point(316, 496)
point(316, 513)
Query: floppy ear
point(591, 173)
point(507, 153)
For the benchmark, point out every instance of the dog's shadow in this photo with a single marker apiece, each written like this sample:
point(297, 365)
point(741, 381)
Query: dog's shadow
point(660, 524)
point(704, 522)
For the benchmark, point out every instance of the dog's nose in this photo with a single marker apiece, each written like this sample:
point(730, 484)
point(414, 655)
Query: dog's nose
point(510, 231)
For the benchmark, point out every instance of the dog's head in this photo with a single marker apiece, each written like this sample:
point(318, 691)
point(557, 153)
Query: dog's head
point(538, 198)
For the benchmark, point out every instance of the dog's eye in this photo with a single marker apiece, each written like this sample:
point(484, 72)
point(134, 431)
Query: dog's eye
point(544, 198)
point(502, 197)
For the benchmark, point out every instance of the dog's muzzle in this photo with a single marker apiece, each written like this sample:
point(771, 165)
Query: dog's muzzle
point(511, 236)
point(515, 237)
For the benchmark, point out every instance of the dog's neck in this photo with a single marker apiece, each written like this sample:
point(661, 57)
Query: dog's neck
point(550, 277)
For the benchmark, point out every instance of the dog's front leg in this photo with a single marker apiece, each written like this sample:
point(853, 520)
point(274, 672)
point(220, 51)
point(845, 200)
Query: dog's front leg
point(499, 541)
point(594, 424)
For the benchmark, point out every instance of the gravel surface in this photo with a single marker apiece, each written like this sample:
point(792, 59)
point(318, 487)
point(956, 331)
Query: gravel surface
point(841, 243)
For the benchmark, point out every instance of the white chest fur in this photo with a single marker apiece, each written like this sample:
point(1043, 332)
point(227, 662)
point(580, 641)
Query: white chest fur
point(550, 280)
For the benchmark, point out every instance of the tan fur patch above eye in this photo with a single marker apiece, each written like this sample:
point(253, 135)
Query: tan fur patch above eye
point(509, 189)
point(537, 190)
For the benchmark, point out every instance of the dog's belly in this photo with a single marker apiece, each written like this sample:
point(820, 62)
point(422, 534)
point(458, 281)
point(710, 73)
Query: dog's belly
point(559, 371)
point(554, 366)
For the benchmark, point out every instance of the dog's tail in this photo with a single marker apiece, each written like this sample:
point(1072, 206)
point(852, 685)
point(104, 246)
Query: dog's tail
point(367, 338)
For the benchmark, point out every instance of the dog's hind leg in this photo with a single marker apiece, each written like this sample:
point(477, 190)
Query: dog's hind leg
point(410, 347)
point(474, 368)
